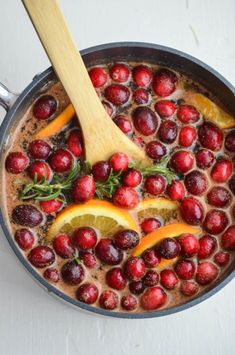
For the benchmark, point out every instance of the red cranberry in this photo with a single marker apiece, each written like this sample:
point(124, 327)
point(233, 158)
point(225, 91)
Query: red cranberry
point(72, 273)
point(39, 170)
point(98, 76)
point(165, 108)
point(117, 94)
point(63, 246)
point(176, 190)
point(123, 123)
point(204, 159)
point(187, 114)
point(216, 221)
point(189, 288)
point(51, 274)
point(230, 141)
point(129, 302)
point(222, 258)
point(24, 238)
point(89, 259)
point(150, 224)
point(185, 269)
point(151, 278)
point(228, 238)
point(120, 72)
point(222, 170)
point(141, 96)
point(75, 143)
point(145, 120)
point(232, 184)
point(101, 170)
point(83, 189)
point(44, 107)
point(84, 238)
point(189, 245)
point(119, 162)
point(108, 300)
point(164, 82)
point(153, 298)
point(168, 131)
point(61, 161)
point(41, 256)
point(116, 279)
point(87, 293)
point(150, 258)
point(134, 268)
point(125, 197)
point(126, 239)
point(16, 162)
point(192, 211)
point(155, 184)
point(132, 178)
point(156, 150)
point(210, 136)
point(168, 248)
point(182, 161)
point(206, 273)
point(142, 76)
point(108, 253)
point(218, 196)
point(108, 108)
point(168, 279)
point(27, 215)
point(39, 149)
point(51, 206)
point(195, 182)
point(187, 136)
point(136, 287)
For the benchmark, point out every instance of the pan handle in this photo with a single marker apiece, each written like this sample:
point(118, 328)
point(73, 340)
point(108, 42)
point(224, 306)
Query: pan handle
point(7, 98)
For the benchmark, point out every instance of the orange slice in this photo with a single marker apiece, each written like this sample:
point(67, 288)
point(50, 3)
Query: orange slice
point(160, 206)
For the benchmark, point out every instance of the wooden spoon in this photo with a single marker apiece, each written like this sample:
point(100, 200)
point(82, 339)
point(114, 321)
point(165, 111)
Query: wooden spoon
point(101, 136)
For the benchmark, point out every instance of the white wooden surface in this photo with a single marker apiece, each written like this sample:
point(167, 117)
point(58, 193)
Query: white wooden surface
point(34, 323)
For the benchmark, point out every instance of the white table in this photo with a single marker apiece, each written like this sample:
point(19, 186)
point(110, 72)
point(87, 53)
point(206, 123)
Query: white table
point(34, 323)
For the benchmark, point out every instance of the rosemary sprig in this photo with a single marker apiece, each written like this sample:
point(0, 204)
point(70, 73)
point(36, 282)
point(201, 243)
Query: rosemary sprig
point(107, 188)
point(159, 168)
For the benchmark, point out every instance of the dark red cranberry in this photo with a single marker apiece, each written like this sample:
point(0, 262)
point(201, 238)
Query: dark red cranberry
point(16, 162)
point(230, 141)
point(210, 136)
point(142, 76)
point(145, 120)
point(51, 274)
point(182, 161)
point(176, 190)
point(216, 221)
point(192, 211)
point(123, 123)
point(75, 143)
point(153, 298)
point(101, 170)
point(83, 189)
point(134, 268)
point(132, 178)
point(89, 259)
point(141, 96)
point(187, 114)
point(108, 253)
point(232, 184)
point(218, 196)
point(155, 184)
point(206, 273)
point(39, 170)
point(119, 162)
point(222, 258)
point(168, 279)
point(39, 149)
point(185, 269)
point(108, 300)
point(195, 182)
point(44, 107)
point(41, 256)
point(98, 76)
point(150, 224)
point(72, 273)
point(204, 159)
point(63, 246)
point(27, 215)
point(165, 108)
point(108, 108)
point(129, 302)
point(116, 279)
point(189, 245)
point(187, 136)
point(228, 238)
point(120, 72)
point(189, 288)
point(168, 248)
point(150, 258)
point(61, 161)
point(222, 170)
point(117, 94)
point(164, 82)
point(125, 197)
point(151, 278)
point(168, 131)
point(136, 287)
point(24, 238)
point(84, 238)
point(87, 293)
point(156, 150)
point(126, 239)
point(51, 206)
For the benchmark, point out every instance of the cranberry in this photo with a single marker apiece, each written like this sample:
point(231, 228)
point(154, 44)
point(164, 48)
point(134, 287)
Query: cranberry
point(164, 82)
point(222, 258)
point(228, 238)
point(187, 136)
point(222, 170)
point(72, 273)
point(204, 159)
point(206, 273)
point(63, 246)
point(189, 245)
point(108, 300)
point(129, 302)
point(51, 206)
point(151, 278)
point(75, 143)
point(153, 298)
point(39, 149)
point(116, 279)
point(126, 239)
point(83, 189)
point(134, 268)
point(39, 170)
point(41, 256)
point(168, 279)
point(195, 182)
point(145, 120)
point(89, 259)
point(51, 274)
point(125, 197)
point(132, 178)
point(108, 253)
point(84, 238)
point(44, 107)
point(156, 150)
point(165, 108)
point(108, 108)
point(168, 248)
point(182, 161)
point(120, 72)
point(101, 170)
point(216, 221)
point(168, 131)
point(150, 224)
point(232, 184)
point(87, 293)
point(150, 258)
point(185, 269)
point(123, 123)
point(142, 76)
point(27, 215)
point(98, 76)
point(189, 288)
point(119, 162)
point(187, 114)
point(136, 287)
point(210, 136)
point(61, 161)
point(16, 162)
point(176, 190)
point(117, 94)
point(218, 196)
point(192, 211)
point(230, 141)
point(141, 96)
point(24, 238)
point(155, 184)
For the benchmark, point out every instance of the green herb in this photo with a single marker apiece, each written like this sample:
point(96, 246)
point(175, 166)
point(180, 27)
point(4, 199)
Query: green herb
point(108, 187)
point(161, 169)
